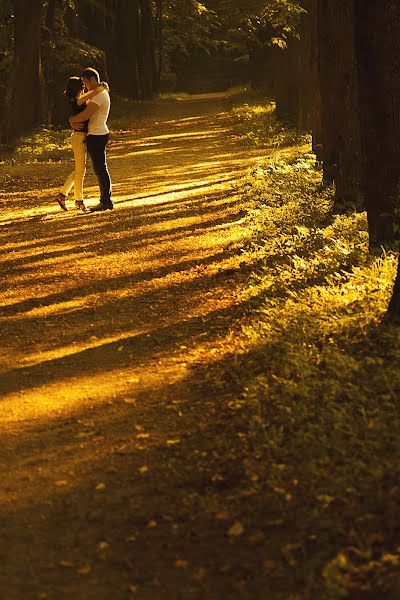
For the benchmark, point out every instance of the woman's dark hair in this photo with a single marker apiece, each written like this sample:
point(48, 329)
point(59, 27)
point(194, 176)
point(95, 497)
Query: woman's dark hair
point(73, 87)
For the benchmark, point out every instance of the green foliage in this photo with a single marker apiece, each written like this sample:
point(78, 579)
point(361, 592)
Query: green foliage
point(45, 145)
point(276, 24)
point(324, 398)
point(188, 27)
point(256, 123)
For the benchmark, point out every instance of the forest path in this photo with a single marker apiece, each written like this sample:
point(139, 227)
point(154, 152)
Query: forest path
point(121, 471)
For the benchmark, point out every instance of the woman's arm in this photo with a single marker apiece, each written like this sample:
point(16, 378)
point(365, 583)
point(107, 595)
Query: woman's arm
point(87, 95)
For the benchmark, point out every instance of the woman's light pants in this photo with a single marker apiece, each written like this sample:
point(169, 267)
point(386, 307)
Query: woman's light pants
point(75, 180)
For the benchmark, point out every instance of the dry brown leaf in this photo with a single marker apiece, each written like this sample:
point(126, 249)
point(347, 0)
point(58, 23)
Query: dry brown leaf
point(181, 564)
point(102, 545)
point(66, 563)
point(236, 530)
point(84, 569)
point(222, 516)
point(199, 574)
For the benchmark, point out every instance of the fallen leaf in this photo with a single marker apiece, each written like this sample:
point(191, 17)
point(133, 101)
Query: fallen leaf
point(84, 434)
point(143, 469)
point(101, 486)
point(61, 482)
point(270, 565)
point(66, 563)
point(85, 569)
point(152, 524)
point(102, 545)
point(199, 573)
point(236, 529)
point(257, 536)
point(143, 436)
point(222, 516)
point(181, 564)
point(173, 442)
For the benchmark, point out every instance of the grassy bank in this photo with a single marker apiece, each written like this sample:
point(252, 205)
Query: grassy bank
point(323, 394)
point(52, 144)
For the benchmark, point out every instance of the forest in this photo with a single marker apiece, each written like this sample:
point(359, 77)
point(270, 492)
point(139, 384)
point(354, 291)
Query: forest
point(199, 381)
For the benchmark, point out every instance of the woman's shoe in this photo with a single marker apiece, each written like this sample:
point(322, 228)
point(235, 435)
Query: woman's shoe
point(60, 198)
point(80, 205)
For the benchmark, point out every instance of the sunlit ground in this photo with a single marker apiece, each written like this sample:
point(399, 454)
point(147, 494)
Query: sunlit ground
point(92, 303)
point(107, 322)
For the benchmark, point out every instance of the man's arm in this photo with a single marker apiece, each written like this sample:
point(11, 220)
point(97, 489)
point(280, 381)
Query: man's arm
point(88, 95)
point(89, 111)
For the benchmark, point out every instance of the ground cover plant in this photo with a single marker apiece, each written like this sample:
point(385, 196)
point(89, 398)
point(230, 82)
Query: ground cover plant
point(323, 394)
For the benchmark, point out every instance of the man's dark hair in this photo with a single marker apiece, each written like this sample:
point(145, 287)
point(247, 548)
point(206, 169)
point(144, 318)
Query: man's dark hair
point(89, 73)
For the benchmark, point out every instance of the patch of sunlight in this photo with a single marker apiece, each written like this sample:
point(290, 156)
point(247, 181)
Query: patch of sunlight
point(39, 211)
point(59, 308)
point(63, 397)
point(185, 134)
point(185, 120)
point(37, 358)
point(169, 193)
point(53, 400)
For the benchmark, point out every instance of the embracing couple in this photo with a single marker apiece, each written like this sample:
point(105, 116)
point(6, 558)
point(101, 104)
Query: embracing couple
point(89, 113)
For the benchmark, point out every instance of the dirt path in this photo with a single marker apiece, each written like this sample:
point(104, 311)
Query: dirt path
point(123, 468)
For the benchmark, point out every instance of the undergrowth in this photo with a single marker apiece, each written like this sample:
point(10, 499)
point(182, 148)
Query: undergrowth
point(256, 124)
point(323, 397)
point(52, 144)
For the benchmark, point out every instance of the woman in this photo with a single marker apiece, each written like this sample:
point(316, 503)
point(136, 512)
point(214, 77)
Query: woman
point(77, 99)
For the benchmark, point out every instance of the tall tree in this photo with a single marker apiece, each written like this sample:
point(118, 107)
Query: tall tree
point(148, 73)
point(378, 57)
point(338, 85)
point(23, 111)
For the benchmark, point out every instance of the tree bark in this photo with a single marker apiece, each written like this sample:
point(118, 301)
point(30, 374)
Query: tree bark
point(378, 54)
point(25, 106)
point(122, 52)
point(147, 62)
point(337, 75)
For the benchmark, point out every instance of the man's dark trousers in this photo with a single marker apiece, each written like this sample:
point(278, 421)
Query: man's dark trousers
point(96, 147)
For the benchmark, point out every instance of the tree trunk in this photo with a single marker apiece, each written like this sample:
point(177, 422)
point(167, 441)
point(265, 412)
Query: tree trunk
point(339, 99)
point(159, 38)
point(378, 54)
point(122, 53)
point(287, 82)
point(307, 81)
point(147, 62)
point(25, 107)
point(48, 67)
point(316, 118)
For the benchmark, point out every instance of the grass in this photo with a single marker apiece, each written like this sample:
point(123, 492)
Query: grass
point(323, 397)
point(53, 145)
point(256, 122)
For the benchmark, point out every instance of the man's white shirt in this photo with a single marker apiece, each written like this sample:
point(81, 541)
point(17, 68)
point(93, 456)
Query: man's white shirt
point(98, 121)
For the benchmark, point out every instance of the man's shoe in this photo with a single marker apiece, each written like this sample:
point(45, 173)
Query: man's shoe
point(100, 207)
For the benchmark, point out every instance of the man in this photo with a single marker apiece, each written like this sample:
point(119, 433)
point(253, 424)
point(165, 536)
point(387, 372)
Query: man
point(97, 112)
